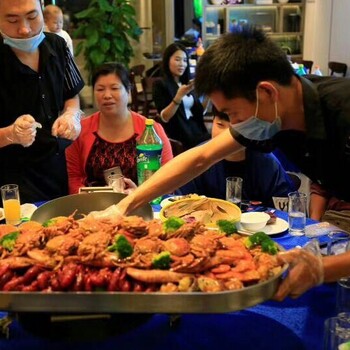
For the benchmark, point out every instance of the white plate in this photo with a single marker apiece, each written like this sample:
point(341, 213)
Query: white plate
point(278, 227)
point(173, 199)
point(27, 209)
point(2, 216)
point(169, 200)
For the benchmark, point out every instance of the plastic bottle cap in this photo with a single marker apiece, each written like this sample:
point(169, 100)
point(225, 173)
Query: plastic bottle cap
point(149, 122)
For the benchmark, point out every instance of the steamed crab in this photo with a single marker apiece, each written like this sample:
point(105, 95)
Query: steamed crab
point(197, 258)
point(219, 262)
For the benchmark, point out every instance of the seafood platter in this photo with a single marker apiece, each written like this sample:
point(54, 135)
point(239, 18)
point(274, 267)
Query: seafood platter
point(133, 265)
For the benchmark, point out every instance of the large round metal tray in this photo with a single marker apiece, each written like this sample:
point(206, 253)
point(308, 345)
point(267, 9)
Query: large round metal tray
point(83, 204)
point(126, 302)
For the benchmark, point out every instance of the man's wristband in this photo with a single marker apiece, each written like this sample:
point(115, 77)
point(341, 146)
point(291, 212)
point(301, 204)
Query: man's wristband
point(177, 103)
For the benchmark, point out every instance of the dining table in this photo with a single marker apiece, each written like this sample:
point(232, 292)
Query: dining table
point(293, 324)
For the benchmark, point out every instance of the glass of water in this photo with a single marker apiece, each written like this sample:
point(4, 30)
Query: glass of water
point(297, 209)
point(234, 190)
point(337, 332)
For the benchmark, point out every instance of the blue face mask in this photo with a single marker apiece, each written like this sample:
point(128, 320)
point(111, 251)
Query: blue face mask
point(27, 44)
point(256, 129)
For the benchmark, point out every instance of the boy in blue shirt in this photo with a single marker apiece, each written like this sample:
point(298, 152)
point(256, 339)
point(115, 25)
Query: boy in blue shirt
point(263, 176)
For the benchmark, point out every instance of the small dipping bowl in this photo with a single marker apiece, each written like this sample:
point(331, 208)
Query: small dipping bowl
point(254, 221)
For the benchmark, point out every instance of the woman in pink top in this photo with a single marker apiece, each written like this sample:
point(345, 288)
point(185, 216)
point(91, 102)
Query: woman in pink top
point(108, 137)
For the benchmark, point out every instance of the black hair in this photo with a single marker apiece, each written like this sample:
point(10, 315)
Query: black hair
point(197, 22)
point(236, 62)
point(112, 68)
point(168, 52)
point(220, 115)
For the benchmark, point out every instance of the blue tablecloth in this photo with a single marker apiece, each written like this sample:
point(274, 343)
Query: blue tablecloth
point(288, 325)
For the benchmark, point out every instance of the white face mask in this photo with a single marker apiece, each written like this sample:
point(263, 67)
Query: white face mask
point(27, 44)
point(256, 129)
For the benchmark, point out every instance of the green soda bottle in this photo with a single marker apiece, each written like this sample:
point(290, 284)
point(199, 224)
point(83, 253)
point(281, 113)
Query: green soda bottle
point(149, 152)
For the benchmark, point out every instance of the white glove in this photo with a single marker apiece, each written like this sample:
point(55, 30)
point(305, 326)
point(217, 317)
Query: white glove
point(68, 124)
point(111, 212)
point(305, 270)
point(23, 130)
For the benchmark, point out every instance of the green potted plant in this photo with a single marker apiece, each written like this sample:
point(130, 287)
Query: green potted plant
point(107, 28)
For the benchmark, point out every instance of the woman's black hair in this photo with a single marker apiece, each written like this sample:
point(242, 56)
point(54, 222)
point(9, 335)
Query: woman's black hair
point(168, 52)
point(112, 68)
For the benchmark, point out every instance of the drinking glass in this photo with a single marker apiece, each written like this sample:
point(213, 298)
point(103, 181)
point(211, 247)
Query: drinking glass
point(11, 204)
point(336, 332)
point(338, 242)
point(297, 209)
point(234, 190)
point(343, 295)
point(343, 284)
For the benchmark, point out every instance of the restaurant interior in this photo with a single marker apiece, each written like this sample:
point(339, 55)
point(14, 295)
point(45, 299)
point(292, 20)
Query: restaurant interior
point(163, 21)
point(225, 320)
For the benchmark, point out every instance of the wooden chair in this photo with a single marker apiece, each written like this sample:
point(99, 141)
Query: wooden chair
point(134, 102)
point(338, 68)
point(306, 63)
point(138, 70)
point(149, 108)
point(296, 180)
point(136, 74)
point(176, 146)
point(155, 71)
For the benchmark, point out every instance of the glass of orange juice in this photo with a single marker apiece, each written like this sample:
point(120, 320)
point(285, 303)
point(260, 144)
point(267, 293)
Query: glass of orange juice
point(11, 204)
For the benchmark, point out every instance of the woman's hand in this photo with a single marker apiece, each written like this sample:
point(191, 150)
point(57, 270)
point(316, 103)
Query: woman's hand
point(184, 90)
point(130, 186)
point(168, 112)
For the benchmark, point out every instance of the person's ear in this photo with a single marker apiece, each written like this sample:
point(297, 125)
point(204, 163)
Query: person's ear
point(267, 92)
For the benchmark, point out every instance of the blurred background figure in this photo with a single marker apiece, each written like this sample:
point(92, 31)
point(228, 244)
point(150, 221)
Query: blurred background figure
point(194, 33)
point(53, 17)
point(108, 137)
point(180, 110)
point(262, 174)
point(325, 206)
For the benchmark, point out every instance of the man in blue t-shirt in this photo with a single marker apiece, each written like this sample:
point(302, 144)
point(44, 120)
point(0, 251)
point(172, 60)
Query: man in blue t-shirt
point(194, 33)
point(263, 176)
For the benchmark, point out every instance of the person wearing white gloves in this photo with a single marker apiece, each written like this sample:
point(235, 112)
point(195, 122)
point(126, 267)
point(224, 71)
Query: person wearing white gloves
point(40, 110)
point(308, 269)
